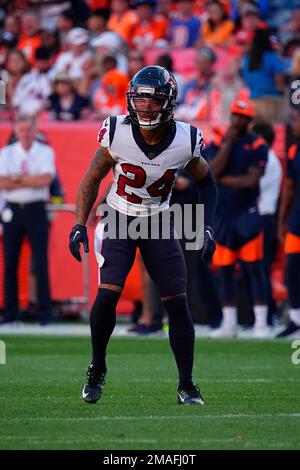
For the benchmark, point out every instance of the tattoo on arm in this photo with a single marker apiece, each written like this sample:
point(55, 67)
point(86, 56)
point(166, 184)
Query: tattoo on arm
point(89, 186)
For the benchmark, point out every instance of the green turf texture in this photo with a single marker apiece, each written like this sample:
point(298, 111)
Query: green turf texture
point(251, 391)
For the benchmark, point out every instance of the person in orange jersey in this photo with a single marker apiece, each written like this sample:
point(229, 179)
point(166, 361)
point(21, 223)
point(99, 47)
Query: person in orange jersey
point(110, 98)
point(121, 18)
point(30, 39)
point(149, 28)
point(238, 162)
point(218, 28)
point(289, 228)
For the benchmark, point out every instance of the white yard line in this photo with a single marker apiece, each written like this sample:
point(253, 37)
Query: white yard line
point(153, 418)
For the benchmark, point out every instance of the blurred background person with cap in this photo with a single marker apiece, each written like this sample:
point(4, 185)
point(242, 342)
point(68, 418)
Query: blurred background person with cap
point(238, 163)
point(73, 60)
point(34, 87)
point(110, 43)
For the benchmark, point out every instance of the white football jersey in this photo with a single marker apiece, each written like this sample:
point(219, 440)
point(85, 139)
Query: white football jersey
point(144, 174)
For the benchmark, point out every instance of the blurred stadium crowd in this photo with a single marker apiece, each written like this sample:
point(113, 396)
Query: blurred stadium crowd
point(70, 60)
point(73, 60)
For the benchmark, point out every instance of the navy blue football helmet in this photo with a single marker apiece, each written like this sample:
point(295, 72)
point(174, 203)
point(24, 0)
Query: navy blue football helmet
point(151, 99)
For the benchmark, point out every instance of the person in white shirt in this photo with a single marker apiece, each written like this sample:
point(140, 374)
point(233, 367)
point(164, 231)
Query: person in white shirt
point(270, 184)
point(33, 89)
point(27, 169)
point(72, 61)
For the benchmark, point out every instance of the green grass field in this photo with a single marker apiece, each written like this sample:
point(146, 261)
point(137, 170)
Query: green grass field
point(251, 391)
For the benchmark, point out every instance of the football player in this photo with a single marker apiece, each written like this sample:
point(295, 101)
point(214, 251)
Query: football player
point(289, 228)
point(238, 162)
point(144, 149)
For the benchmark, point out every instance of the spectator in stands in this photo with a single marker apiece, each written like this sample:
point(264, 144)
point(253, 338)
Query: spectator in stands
point(148, 29)
point(184, 28)
point(218, 28)
point(270, 184)
point(251, 18)
point(289, 227)
point(30, 38)
point(16, 67)
point(121, 19)
point(27, 169)
point(196, 94)
point(65, 23)
point(65, 104)
point(165, 9)
point(136, 62)
point(166, 61)
point(73, 60)
point(12, 25)
point(97, 22)
point(7, 42)
point(291, 30)
point(111, 43)
point(50, 40)
point(110, 98)
point(262, 70)
point(34, 87)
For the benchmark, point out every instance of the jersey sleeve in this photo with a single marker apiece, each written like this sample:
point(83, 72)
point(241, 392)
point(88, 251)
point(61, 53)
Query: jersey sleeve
point(197, 144)
point(106, 133)
point(103, 134)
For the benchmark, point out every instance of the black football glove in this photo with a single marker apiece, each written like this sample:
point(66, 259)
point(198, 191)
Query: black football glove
point(209, 245)
point(77, 236)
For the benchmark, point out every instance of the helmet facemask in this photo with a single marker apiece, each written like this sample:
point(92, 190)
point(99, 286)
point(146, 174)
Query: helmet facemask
point(148, 107)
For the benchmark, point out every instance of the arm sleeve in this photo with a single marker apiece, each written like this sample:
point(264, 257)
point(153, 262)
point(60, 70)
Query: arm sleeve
point(209, 197)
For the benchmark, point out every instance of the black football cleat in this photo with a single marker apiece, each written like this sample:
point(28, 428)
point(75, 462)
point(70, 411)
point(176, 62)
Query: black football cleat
point(189, 396)
point(290, 329)
point(95, 381)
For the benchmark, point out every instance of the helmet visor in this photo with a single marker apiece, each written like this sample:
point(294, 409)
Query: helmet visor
point(148, 107)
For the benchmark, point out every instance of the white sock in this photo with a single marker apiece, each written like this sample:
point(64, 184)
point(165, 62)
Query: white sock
point(261, 315)
point(295, 315)
point(229, 317)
